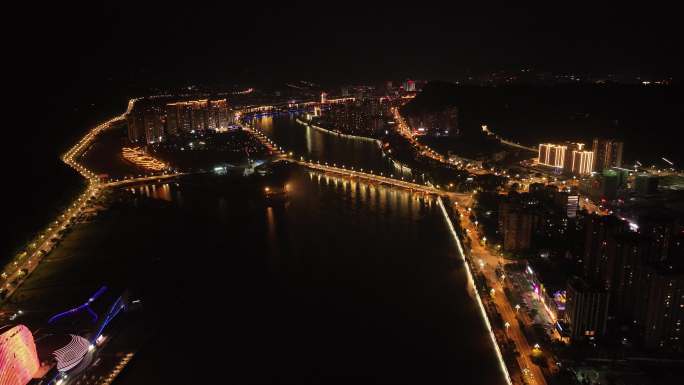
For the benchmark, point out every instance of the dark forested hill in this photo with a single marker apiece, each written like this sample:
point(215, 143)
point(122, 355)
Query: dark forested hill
point(650, 119)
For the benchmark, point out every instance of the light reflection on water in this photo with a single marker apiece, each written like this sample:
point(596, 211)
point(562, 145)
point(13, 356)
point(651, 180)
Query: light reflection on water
point(156, 191)
point(380, 252)
point(317, 145)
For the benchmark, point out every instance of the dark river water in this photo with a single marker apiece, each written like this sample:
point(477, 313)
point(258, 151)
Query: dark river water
point(315, 144)
point(347, 283)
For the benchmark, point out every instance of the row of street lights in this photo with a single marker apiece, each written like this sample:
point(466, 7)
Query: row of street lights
point(37, 247)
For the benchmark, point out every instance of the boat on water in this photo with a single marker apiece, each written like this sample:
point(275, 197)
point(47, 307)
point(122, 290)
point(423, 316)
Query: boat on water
point(276, 195)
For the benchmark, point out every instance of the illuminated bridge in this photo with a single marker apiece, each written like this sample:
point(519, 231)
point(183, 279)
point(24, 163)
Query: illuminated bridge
point(286, 106)
point(369, 175)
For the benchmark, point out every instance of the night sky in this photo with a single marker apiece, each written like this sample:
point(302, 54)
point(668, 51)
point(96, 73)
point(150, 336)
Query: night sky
point(339, 41)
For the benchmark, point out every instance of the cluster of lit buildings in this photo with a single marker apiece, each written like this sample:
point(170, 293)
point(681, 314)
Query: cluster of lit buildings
point(630, 285)
point(406, 87)
point(22, 362)
point(542, 212)
point(438, 123)
point(612, 183)
point(630, 274)
point(632, 281)
point(151, 122)
point(570, 157)
point(574, 159)
point(197, 115)
point(364, 117)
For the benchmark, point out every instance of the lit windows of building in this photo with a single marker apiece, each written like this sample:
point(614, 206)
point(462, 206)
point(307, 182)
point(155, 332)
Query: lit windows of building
point(572, 206)
point(607, 154)
point(659, 309)
point(198, 116)
point(18, 356)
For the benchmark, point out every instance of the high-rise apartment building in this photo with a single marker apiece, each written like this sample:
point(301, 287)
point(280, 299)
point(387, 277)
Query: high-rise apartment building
point(364, 117)
point(153, 125)
point(582, 162)
point(607, 154)
point(516, 223)
point(136, 126)
point(552, 155)
point(639, 266)
point(146, 123)
point(659, 310)
point(596, 261)
point(586, 309)
point(570, 157)
point(197, 116)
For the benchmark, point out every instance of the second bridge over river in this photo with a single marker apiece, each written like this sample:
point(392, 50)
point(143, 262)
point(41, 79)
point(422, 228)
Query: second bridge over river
point(369, 176)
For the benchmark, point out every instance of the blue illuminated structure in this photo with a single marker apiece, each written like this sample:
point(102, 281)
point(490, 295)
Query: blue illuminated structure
point(273, 113)
point(118, 305)
point(77, 309)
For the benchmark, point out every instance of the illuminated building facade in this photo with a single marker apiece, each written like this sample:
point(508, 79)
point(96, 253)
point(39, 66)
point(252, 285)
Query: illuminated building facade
point(570, 157)
point(572, 205)
point(18, 357)
point(607, 154)
point(582, 162)
point(178, 118)
point(71, 354)
point(153, 125)
point(363, 117)
point(218, 115)
point(136, 126)
point(552, 155)
point(146, 123)
point(198, 116)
